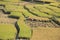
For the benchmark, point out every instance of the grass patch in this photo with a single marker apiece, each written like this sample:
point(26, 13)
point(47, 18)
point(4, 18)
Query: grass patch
point(7, 31)
point(25, 31)
point(36, 12)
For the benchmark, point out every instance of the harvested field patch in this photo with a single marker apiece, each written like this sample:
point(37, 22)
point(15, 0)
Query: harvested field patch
point(5, 20)
point(34, 23)
point(40, 33)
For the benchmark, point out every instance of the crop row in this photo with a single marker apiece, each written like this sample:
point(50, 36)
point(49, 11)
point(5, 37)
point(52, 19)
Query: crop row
point(55, 9)
point(7, 29)
point(56, 4)
point(44, 9)
point(50, 10)
point(25, 12)
point(10, 1)
point(25, 31)
point(36, 12)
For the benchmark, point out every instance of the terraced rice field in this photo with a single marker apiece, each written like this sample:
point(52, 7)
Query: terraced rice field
point(29, 21)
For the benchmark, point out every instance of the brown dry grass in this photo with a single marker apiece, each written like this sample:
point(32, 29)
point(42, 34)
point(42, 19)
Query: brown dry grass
point(46, 34)
point(5, 20)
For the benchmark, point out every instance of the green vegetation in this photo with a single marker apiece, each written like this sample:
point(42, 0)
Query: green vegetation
point(55, 9)
point(25, 31)
point(11, 0)
point(5, 3)
point(55, 4)
point(27, 14)
point(36, 12)
point(11, 8)
point(49, 0)
point(15, 13)
point(30, 15)
point(7, 31)
point(44, 9)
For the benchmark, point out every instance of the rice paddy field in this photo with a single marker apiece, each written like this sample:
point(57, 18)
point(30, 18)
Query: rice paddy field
point(32, 20)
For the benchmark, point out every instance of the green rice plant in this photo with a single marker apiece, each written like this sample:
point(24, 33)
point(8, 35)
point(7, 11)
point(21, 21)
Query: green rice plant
point(36, 12)
point(13, 8)
point(5, 3)
point(30, 15)
point(56, 4)
point(49, 0)
point(18, 13)
point(26, 13)
point(25, 31)
point(57, 14)
point(53, 8)
point(45, 10)
point(11, 0)
point(15, 13)
point(2, 2)
point(7, 31)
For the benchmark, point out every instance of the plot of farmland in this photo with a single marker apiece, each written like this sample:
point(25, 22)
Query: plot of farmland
point(29, 20)
point(5, 20)
point(46, 34)
point(41, 24)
